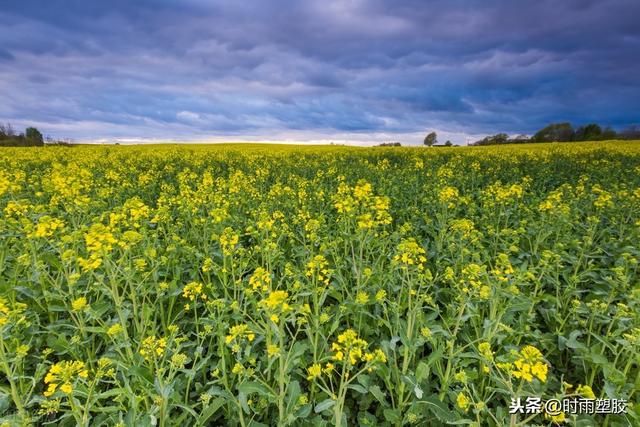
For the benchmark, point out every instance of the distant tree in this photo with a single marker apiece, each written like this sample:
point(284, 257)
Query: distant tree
point(608, 133)
point(448, 143)
point(500, 138)
point(6, 131)
point(431, 139)
point(555, 132)
point(632, 132)
point(34, 135)
point(590, 132)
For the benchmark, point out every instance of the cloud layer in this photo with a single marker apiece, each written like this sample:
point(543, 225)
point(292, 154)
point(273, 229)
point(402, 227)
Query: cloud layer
point(318, 69)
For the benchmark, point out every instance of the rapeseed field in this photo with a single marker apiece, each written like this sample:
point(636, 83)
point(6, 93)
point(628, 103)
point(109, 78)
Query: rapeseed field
point(253, 285)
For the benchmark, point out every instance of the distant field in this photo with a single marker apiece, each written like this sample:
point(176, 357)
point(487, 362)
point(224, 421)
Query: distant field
point(259, 284)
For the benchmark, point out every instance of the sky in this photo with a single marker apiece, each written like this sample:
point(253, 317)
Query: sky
point(316, 70)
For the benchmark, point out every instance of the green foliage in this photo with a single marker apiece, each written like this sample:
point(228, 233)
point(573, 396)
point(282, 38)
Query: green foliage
point(34, 135)
point(431, 139)
point(554, 132)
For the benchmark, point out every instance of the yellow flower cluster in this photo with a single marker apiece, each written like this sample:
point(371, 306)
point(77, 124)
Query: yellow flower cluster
point(351, 348)
point(62, 375)
point(529, 364)
point(485, 350)
point(317, 269)
point(236, 335)
point(370, 210)
point(448, 196)
point(501, 194)
point(114, 329)
point(314, 371)
point(464, 227)
point(79, 304)
point(553, 203)
point(276, 304)
point(463, 401)
point(228, 241)
point(409, 252)
point(192, 291)
point(471, 282)
point(585, 391)
point(153, 347)
point(99, 239)
point(47, 226)
point(277, 301)
point(260, 280)
point(4, 311)
point(7, 312)
point(138, 211)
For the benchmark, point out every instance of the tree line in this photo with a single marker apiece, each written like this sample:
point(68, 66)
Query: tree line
point(31, 137)
point(564, 132)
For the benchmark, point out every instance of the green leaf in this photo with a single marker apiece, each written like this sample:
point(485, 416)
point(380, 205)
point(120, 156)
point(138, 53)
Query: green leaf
point(255, 387)
point(422, 371)
point(324, 405)
point(242, 398)
point(211, 409)
point(417, 391)
point(439, 409)
point(357, 387)
point(573, 342)
point(378, 394)
point(392, 415)
point(4, 402)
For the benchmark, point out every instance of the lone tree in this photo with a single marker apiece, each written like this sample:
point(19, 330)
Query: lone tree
point(431, 139)
point(34, 135)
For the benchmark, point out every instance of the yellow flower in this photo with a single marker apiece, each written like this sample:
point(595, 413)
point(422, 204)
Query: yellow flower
point(463, 401)
point(530, 364)
point(153, 347)
point(485, 350)
point(448, 195)
point(79, 304)
point(314, 371)
point(408, 253)
point(192, 291)
point(207, 265)
point(62, 374)
point(260, 280)
point(178, 360)
point(114, 329)
point(317, 269)
point(461, 377)
point(22, 350)
point(236, 334)
point(362, 298)
point(277, 301)
point(585, 391)
point(228, 241)
point(272, 350)
point(237, 368)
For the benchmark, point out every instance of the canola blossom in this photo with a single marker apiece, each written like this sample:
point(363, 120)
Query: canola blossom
point(271, 285)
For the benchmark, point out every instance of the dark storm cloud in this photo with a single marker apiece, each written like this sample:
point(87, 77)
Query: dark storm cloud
point(169, 68)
